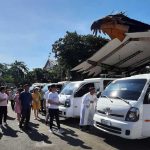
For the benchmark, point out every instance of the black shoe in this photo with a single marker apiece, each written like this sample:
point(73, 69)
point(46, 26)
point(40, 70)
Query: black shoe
point(81, 128)
point(87, 128)
point(5, 124)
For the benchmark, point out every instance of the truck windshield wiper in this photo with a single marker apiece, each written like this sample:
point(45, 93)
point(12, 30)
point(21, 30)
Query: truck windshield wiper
point(123, 100)
point(107, 97)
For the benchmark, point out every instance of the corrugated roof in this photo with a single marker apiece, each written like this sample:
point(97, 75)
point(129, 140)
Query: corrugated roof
point(127, 55)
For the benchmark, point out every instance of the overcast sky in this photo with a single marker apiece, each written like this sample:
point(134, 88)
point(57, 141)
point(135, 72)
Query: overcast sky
point(28, 28)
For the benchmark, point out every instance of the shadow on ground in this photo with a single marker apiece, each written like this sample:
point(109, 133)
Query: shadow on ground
point(114, 141)
point(34, 134)
point(41, 120)
point(72, 139)
point(124, 144)
point(10, 118)
point(1, 135)
point(72, 122)
point(8, 131)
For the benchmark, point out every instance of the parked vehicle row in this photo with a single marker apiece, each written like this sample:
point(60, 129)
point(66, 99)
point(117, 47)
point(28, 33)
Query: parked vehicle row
point(71, 95)
point(123, 108)
point(60, 86)
point(40, 85)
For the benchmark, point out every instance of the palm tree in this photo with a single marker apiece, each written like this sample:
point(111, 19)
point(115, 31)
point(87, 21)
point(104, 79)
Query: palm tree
point(3, 68)
point(18, 71)
point(3, 72)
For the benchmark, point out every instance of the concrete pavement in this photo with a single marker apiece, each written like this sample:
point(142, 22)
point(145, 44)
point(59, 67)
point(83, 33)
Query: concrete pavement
point(38, 138)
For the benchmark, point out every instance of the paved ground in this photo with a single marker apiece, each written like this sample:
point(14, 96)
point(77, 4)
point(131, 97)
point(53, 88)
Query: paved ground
point(38, 138)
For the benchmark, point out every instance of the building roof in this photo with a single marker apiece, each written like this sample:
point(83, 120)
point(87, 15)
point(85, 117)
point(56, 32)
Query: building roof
point(50, 64)
point(119, 56)
point(115, 26)
point(127, 51)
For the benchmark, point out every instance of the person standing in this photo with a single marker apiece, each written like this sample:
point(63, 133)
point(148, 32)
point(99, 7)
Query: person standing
point(17, 106)
point(41, 100)
point(53, 101)
point(11, 97)
point(26, 101)
point(87, 109)
point(3, 105)
point(36, 97)
point(47, 104)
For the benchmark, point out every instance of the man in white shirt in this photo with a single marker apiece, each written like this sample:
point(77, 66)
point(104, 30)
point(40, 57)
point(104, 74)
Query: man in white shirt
point(53, 102)
point(3, 105)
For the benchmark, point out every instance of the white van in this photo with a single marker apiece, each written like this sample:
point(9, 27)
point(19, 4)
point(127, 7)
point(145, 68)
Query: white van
point(71, 95)
point(124, 108)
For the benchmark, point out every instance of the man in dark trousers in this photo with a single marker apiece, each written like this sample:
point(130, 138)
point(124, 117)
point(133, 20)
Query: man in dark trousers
point(53, 101)
point(26, 101)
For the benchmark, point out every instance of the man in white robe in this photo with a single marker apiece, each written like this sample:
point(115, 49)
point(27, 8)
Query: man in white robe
point(88, 109)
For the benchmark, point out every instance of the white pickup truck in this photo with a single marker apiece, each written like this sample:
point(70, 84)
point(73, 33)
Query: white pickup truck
point(124, 108)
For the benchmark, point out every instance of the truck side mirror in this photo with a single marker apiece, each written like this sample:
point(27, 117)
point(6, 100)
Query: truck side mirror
point(78, 93)
point(75, 94)
point(98, 94)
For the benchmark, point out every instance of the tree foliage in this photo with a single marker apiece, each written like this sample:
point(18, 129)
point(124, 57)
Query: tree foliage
point(37, 75)
point(18, 71)
point(2, 71)
point(73, 49)
point(18, 74)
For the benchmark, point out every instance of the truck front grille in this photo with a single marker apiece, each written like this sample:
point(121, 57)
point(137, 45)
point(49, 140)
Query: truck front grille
point(115, 115)
point(109, 128)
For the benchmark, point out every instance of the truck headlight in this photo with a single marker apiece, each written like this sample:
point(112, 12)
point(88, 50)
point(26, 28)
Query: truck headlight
point(67, 103)
point(132, 115)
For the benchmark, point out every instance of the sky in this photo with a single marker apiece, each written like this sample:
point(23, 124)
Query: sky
point(28, 28)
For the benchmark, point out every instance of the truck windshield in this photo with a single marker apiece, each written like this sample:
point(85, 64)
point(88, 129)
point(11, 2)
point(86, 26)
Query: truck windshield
point(69, 88)
point(126, 89)
point(45, 88)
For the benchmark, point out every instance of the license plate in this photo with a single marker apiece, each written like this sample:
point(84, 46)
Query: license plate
point(106, 122)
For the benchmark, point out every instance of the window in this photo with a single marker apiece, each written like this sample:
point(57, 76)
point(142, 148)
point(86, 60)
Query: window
point(106, 82)
point(129, 89)
point(83, 90)
point(70, 88)
point(97, 86)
